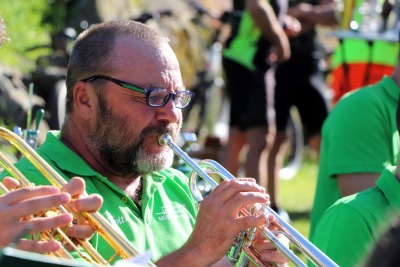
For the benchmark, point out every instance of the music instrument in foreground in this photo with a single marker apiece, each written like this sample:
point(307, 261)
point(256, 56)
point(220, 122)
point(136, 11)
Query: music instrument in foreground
point(242, 251)
point(120, 244)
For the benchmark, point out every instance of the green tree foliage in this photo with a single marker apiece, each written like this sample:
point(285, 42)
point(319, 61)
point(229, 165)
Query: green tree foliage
point(25, 30)
point(30, 23)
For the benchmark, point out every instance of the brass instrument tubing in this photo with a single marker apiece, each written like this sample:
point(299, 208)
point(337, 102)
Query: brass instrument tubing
point(97, 221)
point(304, 245)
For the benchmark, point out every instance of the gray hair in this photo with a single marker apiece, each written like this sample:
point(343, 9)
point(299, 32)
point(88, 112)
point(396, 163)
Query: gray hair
point(92, 52)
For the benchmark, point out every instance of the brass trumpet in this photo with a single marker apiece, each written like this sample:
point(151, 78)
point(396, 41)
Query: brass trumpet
point(120, 244)
point(242, 252)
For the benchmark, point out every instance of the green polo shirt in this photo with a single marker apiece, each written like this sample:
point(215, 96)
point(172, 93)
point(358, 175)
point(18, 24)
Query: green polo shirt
point(350, 227)
point(359, 136)
point(168, 209)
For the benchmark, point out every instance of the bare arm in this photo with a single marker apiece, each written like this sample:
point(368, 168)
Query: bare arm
point(266, 20)
point(352, 183)
point(323, 14)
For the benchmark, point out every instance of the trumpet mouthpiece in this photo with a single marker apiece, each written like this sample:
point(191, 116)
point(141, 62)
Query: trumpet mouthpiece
point(165, 139)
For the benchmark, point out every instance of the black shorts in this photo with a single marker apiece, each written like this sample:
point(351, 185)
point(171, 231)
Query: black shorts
point(300, 83)
point(248, 96)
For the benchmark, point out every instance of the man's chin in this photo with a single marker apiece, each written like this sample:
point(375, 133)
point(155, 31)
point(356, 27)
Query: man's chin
point(154, 162)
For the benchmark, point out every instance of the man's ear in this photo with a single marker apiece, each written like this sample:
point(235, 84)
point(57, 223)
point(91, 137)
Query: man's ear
point(85, 100)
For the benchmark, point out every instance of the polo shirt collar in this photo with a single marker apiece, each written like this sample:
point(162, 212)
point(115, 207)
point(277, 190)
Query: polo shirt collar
point(390, 186)
point(64, 157)
point(390, 87)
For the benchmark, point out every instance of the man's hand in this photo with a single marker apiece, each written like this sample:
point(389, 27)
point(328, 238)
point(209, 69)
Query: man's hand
point(81, 202)
point(17, 209)
point(267, 251)
point(218, 221)
point(270, 28)
point(292, 26)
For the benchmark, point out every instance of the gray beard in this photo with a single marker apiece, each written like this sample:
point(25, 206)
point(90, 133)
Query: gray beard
point(146, 163)
point(131, 159)
point(123, 156)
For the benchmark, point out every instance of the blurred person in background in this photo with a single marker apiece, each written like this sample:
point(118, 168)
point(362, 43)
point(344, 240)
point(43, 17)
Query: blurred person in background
point(300, 82)
point(359, 139)
point(256, 31)
point(351, 227)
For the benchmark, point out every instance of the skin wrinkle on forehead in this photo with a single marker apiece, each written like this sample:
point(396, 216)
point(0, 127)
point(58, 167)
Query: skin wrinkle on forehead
point(153, 66)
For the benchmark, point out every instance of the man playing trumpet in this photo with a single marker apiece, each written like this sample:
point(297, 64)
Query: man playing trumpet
point(124, 90)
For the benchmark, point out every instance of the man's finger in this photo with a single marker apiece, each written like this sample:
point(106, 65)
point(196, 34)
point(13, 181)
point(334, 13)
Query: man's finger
point(28, 192)
point(38, 246)
point(37, 204)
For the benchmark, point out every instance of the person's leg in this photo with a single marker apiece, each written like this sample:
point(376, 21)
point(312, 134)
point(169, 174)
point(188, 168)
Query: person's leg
point(257, 142)
point(237, 78)
point(313, 106)
point(274, 164)
point(256, 125)
point(283, 100)
point(314, 142)
point(234, 146)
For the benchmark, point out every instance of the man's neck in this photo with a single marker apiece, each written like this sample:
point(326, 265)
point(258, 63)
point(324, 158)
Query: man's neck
point(131, 187)
point(74, 139)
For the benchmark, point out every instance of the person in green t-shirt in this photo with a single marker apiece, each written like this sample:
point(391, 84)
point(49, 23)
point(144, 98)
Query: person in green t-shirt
point(351, 227)
point(359, 139)
point(124, 91)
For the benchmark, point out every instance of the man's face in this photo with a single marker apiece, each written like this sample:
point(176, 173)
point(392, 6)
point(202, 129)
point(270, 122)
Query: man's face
point(127, 129)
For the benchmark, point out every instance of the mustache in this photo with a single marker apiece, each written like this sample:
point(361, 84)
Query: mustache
point(159, 130)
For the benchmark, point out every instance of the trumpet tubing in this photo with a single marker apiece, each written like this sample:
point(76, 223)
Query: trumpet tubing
point(120, 244)
point(241, 252)
point(4, 161)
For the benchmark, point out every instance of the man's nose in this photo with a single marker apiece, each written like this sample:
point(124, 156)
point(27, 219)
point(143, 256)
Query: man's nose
point(169, 112)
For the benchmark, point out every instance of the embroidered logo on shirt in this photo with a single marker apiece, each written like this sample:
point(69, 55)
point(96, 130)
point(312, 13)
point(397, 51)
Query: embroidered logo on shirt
point(169, 213)
point(120, 219)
